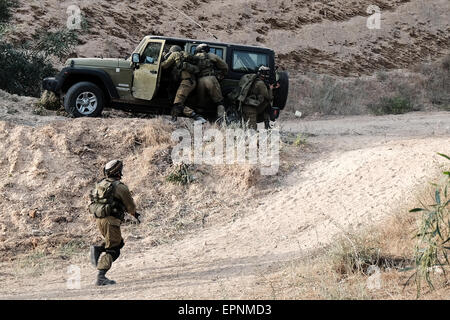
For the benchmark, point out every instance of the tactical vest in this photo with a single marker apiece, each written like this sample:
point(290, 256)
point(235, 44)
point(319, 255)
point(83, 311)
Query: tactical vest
point(205, 64)
point(183, 62)
point(103, 203)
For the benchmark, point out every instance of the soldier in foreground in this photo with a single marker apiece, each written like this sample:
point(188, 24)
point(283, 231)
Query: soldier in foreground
point(208, 78)
point(109, 201)
point(254, 96)
point(182, 70)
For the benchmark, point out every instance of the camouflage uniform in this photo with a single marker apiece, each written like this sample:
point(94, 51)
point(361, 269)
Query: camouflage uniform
point(188, 82)
point(110, 226)
point(256, 101)
point(207, 82)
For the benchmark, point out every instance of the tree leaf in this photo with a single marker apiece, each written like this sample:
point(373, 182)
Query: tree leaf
point(417, 210)
point(444, 155)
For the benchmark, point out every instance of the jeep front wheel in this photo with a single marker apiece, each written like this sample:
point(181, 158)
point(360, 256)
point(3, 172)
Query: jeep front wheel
point(84, 99)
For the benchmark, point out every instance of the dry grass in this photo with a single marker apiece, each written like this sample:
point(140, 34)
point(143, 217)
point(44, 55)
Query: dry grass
point(427, 87)
point(346, 269)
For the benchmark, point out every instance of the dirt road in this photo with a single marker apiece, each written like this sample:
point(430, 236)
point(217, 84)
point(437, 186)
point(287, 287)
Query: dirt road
point(364, 169)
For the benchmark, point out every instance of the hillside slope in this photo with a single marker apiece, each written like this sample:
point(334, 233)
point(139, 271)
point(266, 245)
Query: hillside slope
point(323, 36)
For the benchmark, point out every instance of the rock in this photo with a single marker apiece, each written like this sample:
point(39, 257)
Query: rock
point(34, 242)
point(32, 213)
point(298, 114)
point(60, 219)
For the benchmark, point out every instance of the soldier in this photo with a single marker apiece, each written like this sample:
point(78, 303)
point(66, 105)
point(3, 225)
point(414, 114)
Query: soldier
point(208, 79)
point(110, 200)
point(182, 71)
point(254, 96)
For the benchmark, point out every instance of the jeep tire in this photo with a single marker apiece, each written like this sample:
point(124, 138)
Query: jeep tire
point(84, 99)
point(281, 94)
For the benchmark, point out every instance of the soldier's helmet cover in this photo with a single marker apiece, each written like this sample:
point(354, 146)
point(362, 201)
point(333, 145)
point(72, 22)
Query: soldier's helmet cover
point(202, 48)
point(113, 168)
point(175, 49)
point(264, 71)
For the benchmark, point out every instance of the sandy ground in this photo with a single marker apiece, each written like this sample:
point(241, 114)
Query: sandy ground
point(361, 170)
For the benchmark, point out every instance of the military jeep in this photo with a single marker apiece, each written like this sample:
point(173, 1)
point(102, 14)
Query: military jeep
point(137, 84)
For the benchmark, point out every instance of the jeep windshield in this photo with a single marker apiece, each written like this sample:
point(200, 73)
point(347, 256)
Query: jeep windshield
point(245, 61)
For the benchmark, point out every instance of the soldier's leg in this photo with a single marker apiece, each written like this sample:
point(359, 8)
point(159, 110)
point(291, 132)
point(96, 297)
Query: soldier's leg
point(110, 229)
point(184, 90)
point(250, 116)
point(215, 92)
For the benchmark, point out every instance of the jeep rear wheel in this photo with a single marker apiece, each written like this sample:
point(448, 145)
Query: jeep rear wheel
point(84, 99)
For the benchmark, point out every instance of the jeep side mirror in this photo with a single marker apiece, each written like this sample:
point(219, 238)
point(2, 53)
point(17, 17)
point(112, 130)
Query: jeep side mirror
point(136, 58)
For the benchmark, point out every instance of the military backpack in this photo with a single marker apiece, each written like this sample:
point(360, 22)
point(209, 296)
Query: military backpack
point(241, 94)
point(205, 64)
point(103, 203)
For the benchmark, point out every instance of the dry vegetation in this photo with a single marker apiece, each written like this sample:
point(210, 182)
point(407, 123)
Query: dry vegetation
point(69, 157)
point(425, 88)
point(379, 262)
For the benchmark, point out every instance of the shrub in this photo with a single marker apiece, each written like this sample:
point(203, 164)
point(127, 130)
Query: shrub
point(181, 175)
point(329, 96)
point(22, 70)
point(438, 84)
point(5, 10)
point(433, 247)
point(49, 101)
point(394, 105)
point(59, 43)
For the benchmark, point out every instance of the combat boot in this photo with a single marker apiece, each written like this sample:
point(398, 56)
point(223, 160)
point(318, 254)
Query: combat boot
point(198, 118)
point(102, 280)
point(96, 251)
point(177, 110)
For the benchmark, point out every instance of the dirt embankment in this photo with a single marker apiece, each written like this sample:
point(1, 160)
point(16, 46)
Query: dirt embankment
point(322, 36)
point(48, 168)
point(218, 236)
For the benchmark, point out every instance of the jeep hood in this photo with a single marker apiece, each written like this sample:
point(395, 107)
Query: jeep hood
point(96, 62)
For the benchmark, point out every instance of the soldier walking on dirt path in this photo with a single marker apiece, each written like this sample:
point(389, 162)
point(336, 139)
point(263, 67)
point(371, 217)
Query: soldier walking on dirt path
point(109, 201)
point(182, 70)
point(208, 78)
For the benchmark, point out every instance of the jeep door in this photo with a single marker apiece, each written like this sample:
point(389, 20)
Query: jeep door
point(147, 73)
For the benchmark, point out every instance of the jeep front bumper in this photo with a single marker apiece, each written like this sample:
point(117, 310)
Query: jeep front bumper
point(50, 84)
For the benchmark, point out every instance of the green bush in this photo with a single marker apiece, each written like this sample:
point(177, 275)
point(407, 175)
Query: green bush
point(5, 10)
point(433, 247)
point(59, 43)
point(23, 70)
point(395, 105)
point(181, 175)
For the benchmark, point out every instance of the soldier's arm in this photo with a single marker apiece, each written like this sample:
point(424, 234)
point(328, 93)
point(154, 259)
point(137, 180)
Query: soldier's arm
point(220, 64)
point(168, 63)
point(124, 194)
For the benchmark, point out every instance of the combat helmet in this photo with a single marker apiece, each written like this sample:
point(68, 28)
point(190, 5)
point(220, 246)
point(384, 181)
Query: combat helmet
point(175, 48)
point(202, 48)
point(113, 169)
point(264, 71)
